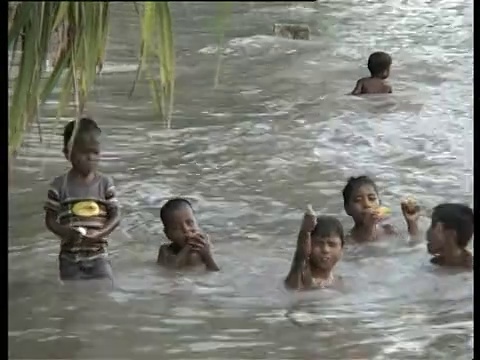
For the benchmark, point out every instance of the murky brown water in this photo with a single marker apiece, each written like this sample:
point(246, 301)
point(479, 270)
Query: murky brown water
point(278, 132)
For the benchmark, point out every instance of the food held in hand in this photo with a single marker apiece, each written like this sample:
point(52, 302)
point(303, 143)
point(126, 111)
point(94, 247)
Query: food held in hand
point(86, 208)
point(310, 210)
point(81, 230)
point(410, 205)
point(382, 211)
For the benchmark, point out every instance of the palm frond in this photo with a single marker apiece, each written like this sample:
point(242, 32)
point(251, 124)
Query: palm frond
point(73, 37)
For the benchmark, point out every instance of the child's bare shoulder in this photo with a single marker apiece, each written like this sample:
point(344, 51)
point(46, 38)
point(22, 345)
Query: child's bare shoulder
point(165, 248)
point(376, 86)
point(468, 260)
point(465, 263)
point(164, 252)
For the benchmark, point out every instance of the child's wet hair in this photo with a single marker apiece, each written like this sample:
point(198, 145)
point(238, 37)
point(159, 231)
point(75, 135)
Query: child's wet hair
point(379, 62)
point(353, 184)
point(85, 126)
point(328, 226)
point(171, 206)
point(457, 217)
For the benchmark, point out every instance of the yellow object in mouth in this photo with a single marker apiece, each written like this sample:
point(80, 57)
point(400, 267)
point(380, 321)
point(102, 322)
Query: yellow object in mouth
point(86, 208)
point(383, 211)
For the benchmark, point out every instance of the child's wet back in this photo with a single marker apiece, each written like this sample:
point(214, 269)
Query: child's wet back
point(379, 64)
point(450, 232)
point(188, 247)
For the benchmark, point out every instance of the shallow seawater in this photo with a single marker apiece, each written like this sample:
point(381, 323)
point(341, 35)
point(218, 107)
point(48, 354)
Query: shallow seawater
point(277, 133)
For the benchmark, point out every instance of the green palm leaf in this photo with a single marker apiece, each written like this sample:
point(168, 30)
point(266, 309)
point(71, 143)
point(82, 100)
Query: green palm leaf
point(73, 36)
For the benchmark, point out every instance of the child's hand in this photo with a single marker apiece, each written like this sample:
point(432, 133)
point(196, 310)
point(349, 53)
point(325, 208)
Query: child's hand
point(93, 235)
point(72, 236)
point(410, 210)
point(309, 220)
point(199, 242)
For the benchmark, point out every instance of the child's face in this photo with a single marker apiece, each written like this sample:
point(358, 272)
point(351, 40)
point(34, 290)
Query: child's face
point(437, 239)
point(182, 224)
point(363, 197)
point(85, 154)
point(326, 251)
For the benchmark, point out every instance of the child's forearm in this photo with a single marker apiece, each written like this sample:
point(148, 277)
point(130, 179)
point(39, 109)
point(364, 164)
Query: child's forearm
point(210, 264)
point(295, 277)
point(414, 232)
point(413, 229)
point(51, 223)
point(111, 224)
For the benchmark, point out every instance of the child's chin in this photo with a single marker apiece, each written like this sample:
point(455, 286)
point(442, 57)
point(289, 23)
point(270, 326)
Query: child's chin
point(432, 251)
point(324, 265)
point(359, 221)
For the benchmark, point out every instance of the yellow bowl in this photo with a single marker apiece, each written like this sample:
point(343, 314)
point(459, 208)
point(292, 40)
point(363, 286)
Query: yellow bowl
point(86, 208)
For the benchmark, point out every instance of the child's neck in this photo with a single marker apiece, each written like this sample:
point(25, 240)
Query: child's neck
point(82, 177)
point(321, 274)
point(453, 257)
point(175, 247)
point(364, 233)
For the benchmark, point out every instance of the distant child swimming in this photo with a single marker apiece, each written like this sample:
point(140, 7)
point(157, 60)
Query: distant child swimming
point(449, 234)
point(188, 247)
point(319, 248)
point(379, 64)
point(362, 203)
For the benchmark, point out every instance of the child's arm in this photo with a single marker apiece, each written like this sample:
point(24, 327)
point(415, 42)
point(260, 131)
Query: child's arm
point(210, 264)
point(113, 213)
point(62, 231)
point(173, 261)
point(161, 255)
point(299, 275)
point(411, 213)
point(358, 88)
point(52, 207)
point(201, 244)
point(299, 271)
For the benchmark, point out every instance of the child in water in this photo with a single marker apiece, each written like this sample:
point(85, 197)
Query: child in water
point(188, 246)
point(319, 247)
point(449, 234)
point(379, 66)
point(81, 207)
point(361, 202)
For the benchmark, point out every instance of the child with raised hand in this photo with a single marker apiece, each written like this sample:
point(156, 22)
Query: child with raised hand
point(449, 234)
point(361, 202)
point(319, 248)
point(188, 247)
